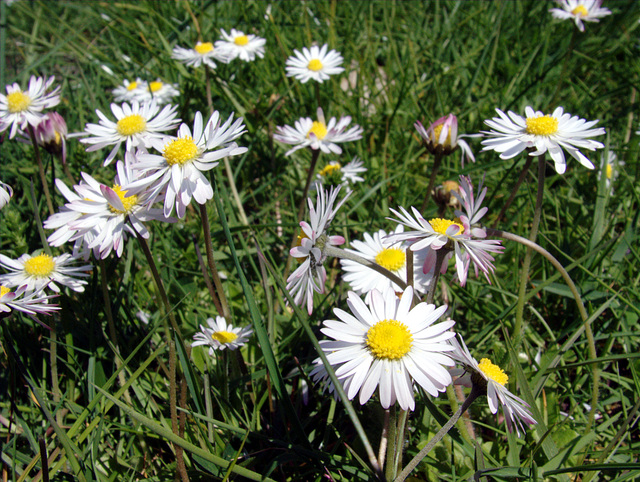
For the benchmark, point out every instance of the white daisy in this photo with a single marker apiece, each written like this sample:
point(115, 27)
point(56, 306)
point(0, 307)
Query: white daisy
point(610, 167)
point(238, 45)
point(314, 63)
point(19, 109)
point(580, 11)
point(5, 194)
point(178, 171)
point(21, 300)
point(493, 379)
point(40, 271)
point(442, 136)
point(389, 345)
point(202, 53)
point(161, 92)
point(512, 134)
point(220, 335)
point(311, 275)
point(335, 173)
point(130, 91)
point(318, 134)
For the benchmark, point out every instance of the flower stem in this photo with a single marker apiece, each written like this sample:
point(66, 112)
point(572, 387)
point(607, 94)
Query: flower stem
point(43, 177)
point(384, 439)
point(391, 469)
point(440, 257)
point(432, 180)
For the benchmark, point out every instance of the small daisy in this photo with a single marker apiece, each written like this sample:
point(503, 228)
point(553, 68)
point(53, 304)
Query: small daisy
point(335, 173)
point(314, 63)
point(318, 134)
point(161, 92)
point(610, 168)
point(492, 379)
point(580, 11)
point(202, 53)
point(178, 172)
point(32, 303)
point(51, 134)
point(311, 275)
point(130, 91)
point(442, 136)
point(19, 109)
point(40, 271)
point(541, 133)
point(238, 45)
point(388, 345)
point(5, 194)
point(221, 335)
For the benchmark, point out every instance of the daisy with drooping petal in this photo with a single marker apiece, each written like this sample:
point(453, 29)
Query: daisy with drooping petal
point(130, 91)
point(178, 172)
point(311, 275)
point(220, 335)
point(202, 53)
point(580, 11)
point(314, 63)
point(19, 109)
point(20, 300)
point(335, 174)
point(40, 271)
point(512, 134)
point(5, 194)
point(388, 346)
point(136, 124)
point(318, 134)
point(492, 379)
point(238, 45)
point(442, 137)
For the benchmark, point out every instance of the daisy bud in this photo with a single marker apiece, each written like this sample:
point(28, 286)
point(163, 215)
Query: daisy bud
point(51, 133)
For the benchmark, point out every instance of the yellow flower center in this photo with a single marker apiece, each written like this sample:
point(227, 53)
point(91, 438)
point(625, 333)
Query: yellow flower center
point(609, 171)
point(440, 225)
point(127, 202)
point(224, 337)
point(241, 41)
point(330, 169)
point(580, 11)
point(391, 258)
point(437, 130)
point(131, 124)
point(18, 101)
point(203, 48)
point(542, 126)
point(4, 290)
point(451, 186)
point(132, 86)
point(315, 65)
point(155, 86)
point(494, 372)
point(319, 129)
point(39, 266)
point(180, 151)
point(389, 339)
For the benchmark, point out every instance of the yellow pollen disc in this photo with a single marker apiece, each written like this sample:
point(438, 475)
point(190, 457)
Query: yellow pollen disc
point(128, 202)
point(389, 339)
point(542, 126)
point(440, 225)
point(155, 86)
point(241, 41)
point(131, 124)
point(203, 48)
point(4, 290)
point(18, 101)
point(330, 169)
point(580, 10)
point(437, 130)
point(180, 151)
point(132, 86)
point(391, 258)
point(494, 372)
point(319, 129)
point(315, 65)
point(609, 171)
point(39, 266)
point(224, 336)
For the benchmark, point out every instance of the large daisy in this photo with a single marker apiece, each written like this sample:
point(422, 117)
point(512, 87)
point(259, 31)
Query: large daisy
point(239, 45)
point(220, 335)
point(580, 11)
point(41, 271)
point(201, 53)
point(314, 63)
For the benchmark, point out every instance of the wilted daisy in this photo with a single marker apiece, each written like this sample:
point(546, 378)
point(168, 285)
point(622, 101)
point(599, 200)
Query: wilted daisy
point(238, 45)
point(580, 11)
point(28, 302)
point(5, 194)
point(314, 63)
point(220, 335)
point(51, 133)
point(442, 137)
point(492, 379)
point(21, 108)
point(609, 167)
point(130, 91)
point(335, 173)
point(177, 173)
point(202, 53)
point(311, 275)
point(512, 134)
point(136, 124)
point(389, 346)
point(318, 134)
point(42, 270)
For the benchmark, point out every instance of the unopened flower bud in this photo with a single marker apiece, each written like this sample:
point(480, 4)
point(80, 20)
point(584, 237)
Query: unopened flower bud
point(443, 196)
point(51, 134)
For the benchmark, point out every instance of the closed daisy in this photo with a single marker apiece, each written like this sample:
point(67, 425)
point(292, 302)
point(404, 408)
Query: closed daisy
point(580, 11)
point(238, 45)
point(389, 346)
point(511, 134)
point(201, 53)
point(442, 137)
point(314, 63)
point(220, 335)
point(39, 271)
point(32, 303)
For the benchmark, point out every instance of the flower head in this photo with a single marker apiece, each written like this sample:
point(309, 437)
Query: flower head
point(580, 11)
point(36, 272)
point(610, 168)
point(238, 45)
point(51, 133)
point(335, 174)
point(442, 137)
point(28, 302)
point(201, 53)
point(314, 63)
point(220, 335)
point(130, 91)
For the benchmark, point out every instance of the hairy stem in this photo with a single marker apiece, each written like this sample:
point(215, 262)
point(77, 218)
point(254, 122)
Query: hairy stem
point(432, 179)
point(224, 306)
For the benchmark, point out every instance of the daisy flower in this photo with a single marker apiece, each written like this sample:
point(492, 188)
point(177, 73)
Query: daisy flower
point(136, 124)
point(238, 45)
point(609, 166)
point(390, 346)
point(178, 172)
point(51, 134)
point(19, 109)
point(159, 91)
point(318, 134)
point(130, 91)
point(220, 335)
point(335, 173)
point(202, 53)
point(5, 194)
point(442, 137)
point(311, 275)
point(512, 134)
point(20, 300)
point(493, 380)
point(39, 271)
point(314, 63)
point(580, 11)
